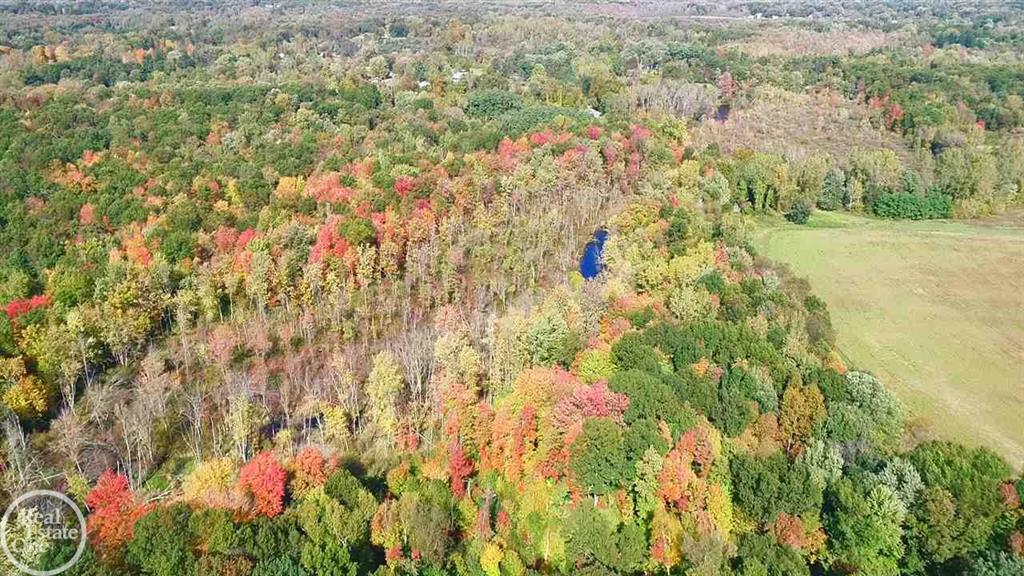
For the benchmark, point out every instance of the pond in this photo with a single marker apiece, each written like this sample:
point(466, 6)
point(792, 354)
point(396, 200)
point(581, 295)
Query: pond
point(722, 114)
point(590, 262)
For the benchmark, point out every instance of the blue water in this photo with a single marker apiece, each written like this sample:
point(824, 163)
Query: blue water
point(590, 262)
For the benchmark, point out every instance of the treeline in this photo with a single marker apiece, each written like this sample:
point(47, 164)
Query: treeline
point(965, 181)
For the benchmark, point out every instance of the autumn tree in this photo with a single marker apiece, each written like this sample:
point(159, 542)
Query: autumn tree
point(383, 387)
point(132, 305)
point(113, 512)
point(802, 408)
point(263, 478)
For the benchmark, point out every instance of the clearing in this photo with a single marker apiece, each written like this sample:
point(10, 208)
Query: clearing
point(935, 309)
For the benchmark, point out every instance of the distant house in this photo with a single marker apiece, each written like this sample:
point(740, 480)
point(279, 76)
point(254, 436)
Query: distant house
point(458, 75)
point(594, 113)
point(423, 84)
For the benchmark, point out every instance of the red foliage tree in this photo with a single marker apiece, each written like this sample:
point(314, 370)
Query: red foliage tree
point(22, 306)
point(114, 512)
point(789, 531)
point(541, 138)
point(508, 153)
point(677, 481)
point(1010, 496)
point(329, 242)
point(459, 468)
point(404, 185)
point(244, 238)
point(1017, 543)
point(596, 401)
point(525, 436)
point(87, 214)
point(224, 239)
point(264, 478)
point(327, 188)
point(393, 554)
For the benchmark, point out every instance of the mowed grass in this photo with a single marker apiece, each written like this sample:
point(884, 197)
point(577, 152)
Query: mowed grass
point(935, 309)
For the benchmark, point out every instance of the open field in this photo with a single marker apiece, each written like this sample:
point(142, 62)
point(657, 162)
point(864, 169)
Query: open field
point(935, 309)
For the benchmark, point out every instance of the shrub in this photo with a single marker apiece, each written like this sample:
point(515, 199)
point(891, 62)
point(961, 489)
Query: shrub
point(800, 212)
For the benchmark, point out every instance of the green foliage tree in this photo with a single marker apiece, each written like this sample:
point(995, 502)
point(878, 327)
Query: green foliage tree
point(596, 537)
point(159, 546)
point(492, 103)
point(598, 458)
point(760, 555)
point(764, 487)
point(960, 505)
point(550, 341)
point(833, 188)
point(428, 523)
point(865, 527)
point(799, 212)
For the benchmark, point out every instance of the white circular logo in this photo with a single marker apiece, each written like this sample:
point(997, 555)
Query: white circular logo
point(36, 521)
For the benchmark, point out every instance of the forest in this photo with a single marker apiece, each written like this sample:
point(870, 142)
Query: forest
point(294, 289)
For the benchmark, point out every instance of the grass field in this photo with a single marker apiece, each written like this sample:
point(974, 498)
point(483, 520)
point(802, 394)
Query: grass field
point(935, 309)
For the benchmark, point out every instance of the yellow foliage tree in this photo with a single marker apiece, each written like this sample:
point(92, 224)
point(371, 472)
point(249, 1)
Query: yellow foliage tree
point(490, 559)
point(290, 187)
point(335, 425)
point(211, 483)
point(28, 398)
point(802, 408)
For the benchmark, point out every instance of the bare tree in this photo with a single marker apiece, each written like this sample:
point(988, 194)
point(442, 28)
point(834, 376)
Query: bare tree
point(136, 421)
point(414, 349)
point(23, 466)
point(193, 409)
point(69, 436)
